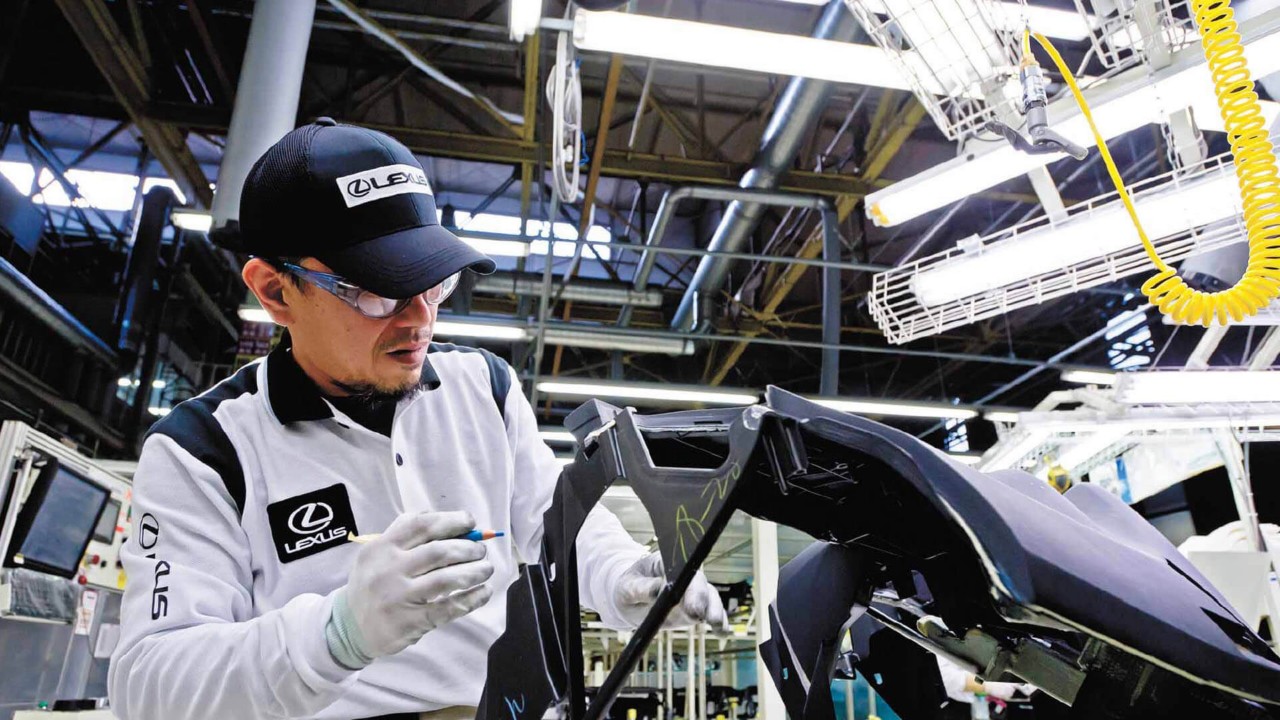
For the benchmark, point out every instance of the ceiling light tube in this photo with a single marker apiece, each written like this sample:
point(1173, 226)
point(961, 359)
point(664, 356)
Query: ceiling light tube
point(254, 313)
point(1089, 377)
point(649, 393)
point(453, 328)
point(1198, 386)
point(559, 437)
point(1001, 416)
point(1174, 207)
point(711, 45)
point(603, 340)
point(896, 409)
point(191, 220)
point(524, 18)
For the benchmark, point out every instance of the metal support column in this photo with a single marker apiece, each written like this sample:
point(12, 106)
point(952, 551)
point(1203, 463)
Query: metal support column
point(764, 552)
point(266, 104)
point(829, 382)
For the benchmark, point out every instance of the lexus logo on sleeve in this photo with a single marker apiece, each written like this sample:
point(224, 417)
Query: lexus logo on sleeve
point(306, 524)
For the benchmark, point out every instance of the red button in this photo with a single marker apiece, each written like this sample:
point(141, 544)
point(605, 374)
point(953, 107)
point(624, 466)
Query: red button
point(94, 559)
point(82, 580)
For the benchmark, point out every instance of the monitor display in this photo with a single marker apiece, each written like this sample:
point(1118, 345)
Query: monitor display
point(106, 530)
point(55, 524)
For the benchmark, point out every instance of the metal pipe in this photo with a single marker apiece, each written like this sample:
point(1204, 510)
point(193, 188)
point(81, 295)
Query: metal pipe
point(798, 109)
point(137, 295)
point(829, 380)
point(668, 334)
point(670, 201)
point(19, 289)
point(266, 105)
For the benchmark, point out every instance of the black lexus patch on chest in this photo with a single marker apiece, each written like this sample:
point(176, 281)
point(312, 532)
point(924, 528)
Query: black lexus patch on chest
point(311, 523)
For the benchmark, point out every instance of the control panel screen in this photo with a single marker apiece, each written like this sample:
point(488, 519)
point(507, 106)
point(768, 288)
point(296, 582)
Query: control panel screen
point(54, 526)
point(105, 532)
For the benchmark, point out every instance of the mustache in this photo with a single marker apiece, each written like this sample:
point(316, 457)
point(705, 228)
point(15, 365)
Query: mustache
point(417, 336)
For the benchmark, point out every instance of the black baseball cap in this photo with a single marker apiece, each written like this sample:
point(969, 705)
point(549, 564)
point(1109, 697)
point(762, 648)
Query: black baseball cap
point(356, 200)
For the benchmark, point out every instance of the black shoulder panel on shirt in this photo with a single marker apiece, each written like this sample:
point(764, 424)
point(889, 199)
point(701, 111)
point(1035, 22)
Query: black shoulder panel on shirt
point(499, 378)
point(194, 428)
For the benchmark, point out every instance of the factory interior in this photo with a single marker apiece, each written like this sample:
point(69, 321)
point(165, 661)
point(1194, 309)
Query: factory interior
point(953, 321)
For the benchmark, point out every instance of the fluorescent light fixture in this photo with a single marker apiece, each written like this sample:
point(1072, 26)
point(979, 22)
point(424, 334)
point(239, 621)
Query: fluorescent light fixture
point(124, 382)
point(1119, 105)
point(495, 234)
point(1168, 209)
point(159, 411)
point(1063, 24)
point(616, 341)
point(712, 45)
point(524, 18)
point(880, 407)
point(653, 393)
point(1089, 377)
point(158, 384)
point(603, 294)
point(1002, 416)
point(452, 328)
point(195, 221)
point(557, 436)
point(254, 314)
point(967, 459)
point(1198, 387)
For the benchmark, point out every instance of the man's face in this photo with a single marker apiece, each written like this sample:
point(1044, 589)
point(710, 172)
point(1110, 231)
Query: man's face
point(347, 353)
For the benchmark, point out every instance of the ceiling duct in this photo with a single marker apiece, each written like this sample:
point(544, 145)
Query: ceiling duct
point(798, 109)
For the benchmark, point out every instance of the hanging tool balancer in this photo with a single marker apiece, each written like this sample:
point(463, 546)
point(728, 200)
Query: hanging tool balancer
point(1034, 105)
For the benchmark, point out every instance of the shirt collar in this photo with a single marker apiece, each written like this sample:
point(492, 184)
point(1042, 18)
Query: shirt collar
point(294, 396)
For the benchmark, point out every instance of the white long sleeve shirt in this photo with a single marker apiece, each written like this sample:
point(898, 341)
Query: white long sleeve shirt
point(243, 499)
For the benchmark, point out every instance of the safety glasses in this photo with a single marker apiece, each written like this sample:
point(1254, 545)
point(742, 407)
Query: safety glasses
point(367, 303)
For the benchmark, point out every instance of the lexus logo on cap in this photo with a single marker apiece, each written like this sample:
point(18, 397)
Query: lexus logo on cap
point(386, 181)
point(309, 518)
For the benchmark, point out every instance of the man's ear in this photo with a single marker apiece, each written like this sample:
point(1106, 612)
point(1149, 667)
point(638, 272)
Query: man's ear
point(268, 284)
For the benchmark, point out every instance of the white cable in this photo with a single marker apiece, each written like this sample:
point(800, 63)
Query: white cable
point(564, 93)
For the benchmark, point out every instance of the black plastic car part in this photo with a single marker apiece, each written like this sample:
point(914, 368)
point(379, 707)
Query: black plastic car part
point(917, 555)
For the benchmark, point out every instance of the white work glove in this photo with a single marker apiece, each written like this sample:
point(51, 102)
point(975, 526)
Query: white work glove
point(639, 586)
point(412, 579)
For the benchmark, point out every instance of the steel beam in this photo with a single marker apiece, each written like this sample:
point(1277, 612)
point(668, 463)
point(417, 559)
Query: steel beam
point(124, 72)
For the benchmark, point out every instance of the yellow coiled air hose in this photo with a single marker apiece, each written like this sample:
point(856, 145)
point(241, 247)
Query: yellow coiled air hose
point(1255, 171)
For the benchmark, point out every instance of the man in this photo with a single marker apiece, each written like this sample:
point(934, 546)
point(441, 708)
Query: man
point(245, 597)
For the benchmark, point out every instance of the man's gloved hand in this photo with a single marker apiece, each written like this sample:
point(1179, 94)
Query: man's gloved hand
point(413, 578)
point(639, 586)
point(1006, 690)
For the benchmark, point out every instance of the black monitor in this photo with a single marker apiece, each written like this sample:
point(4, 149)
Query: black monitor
point(56, 522)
